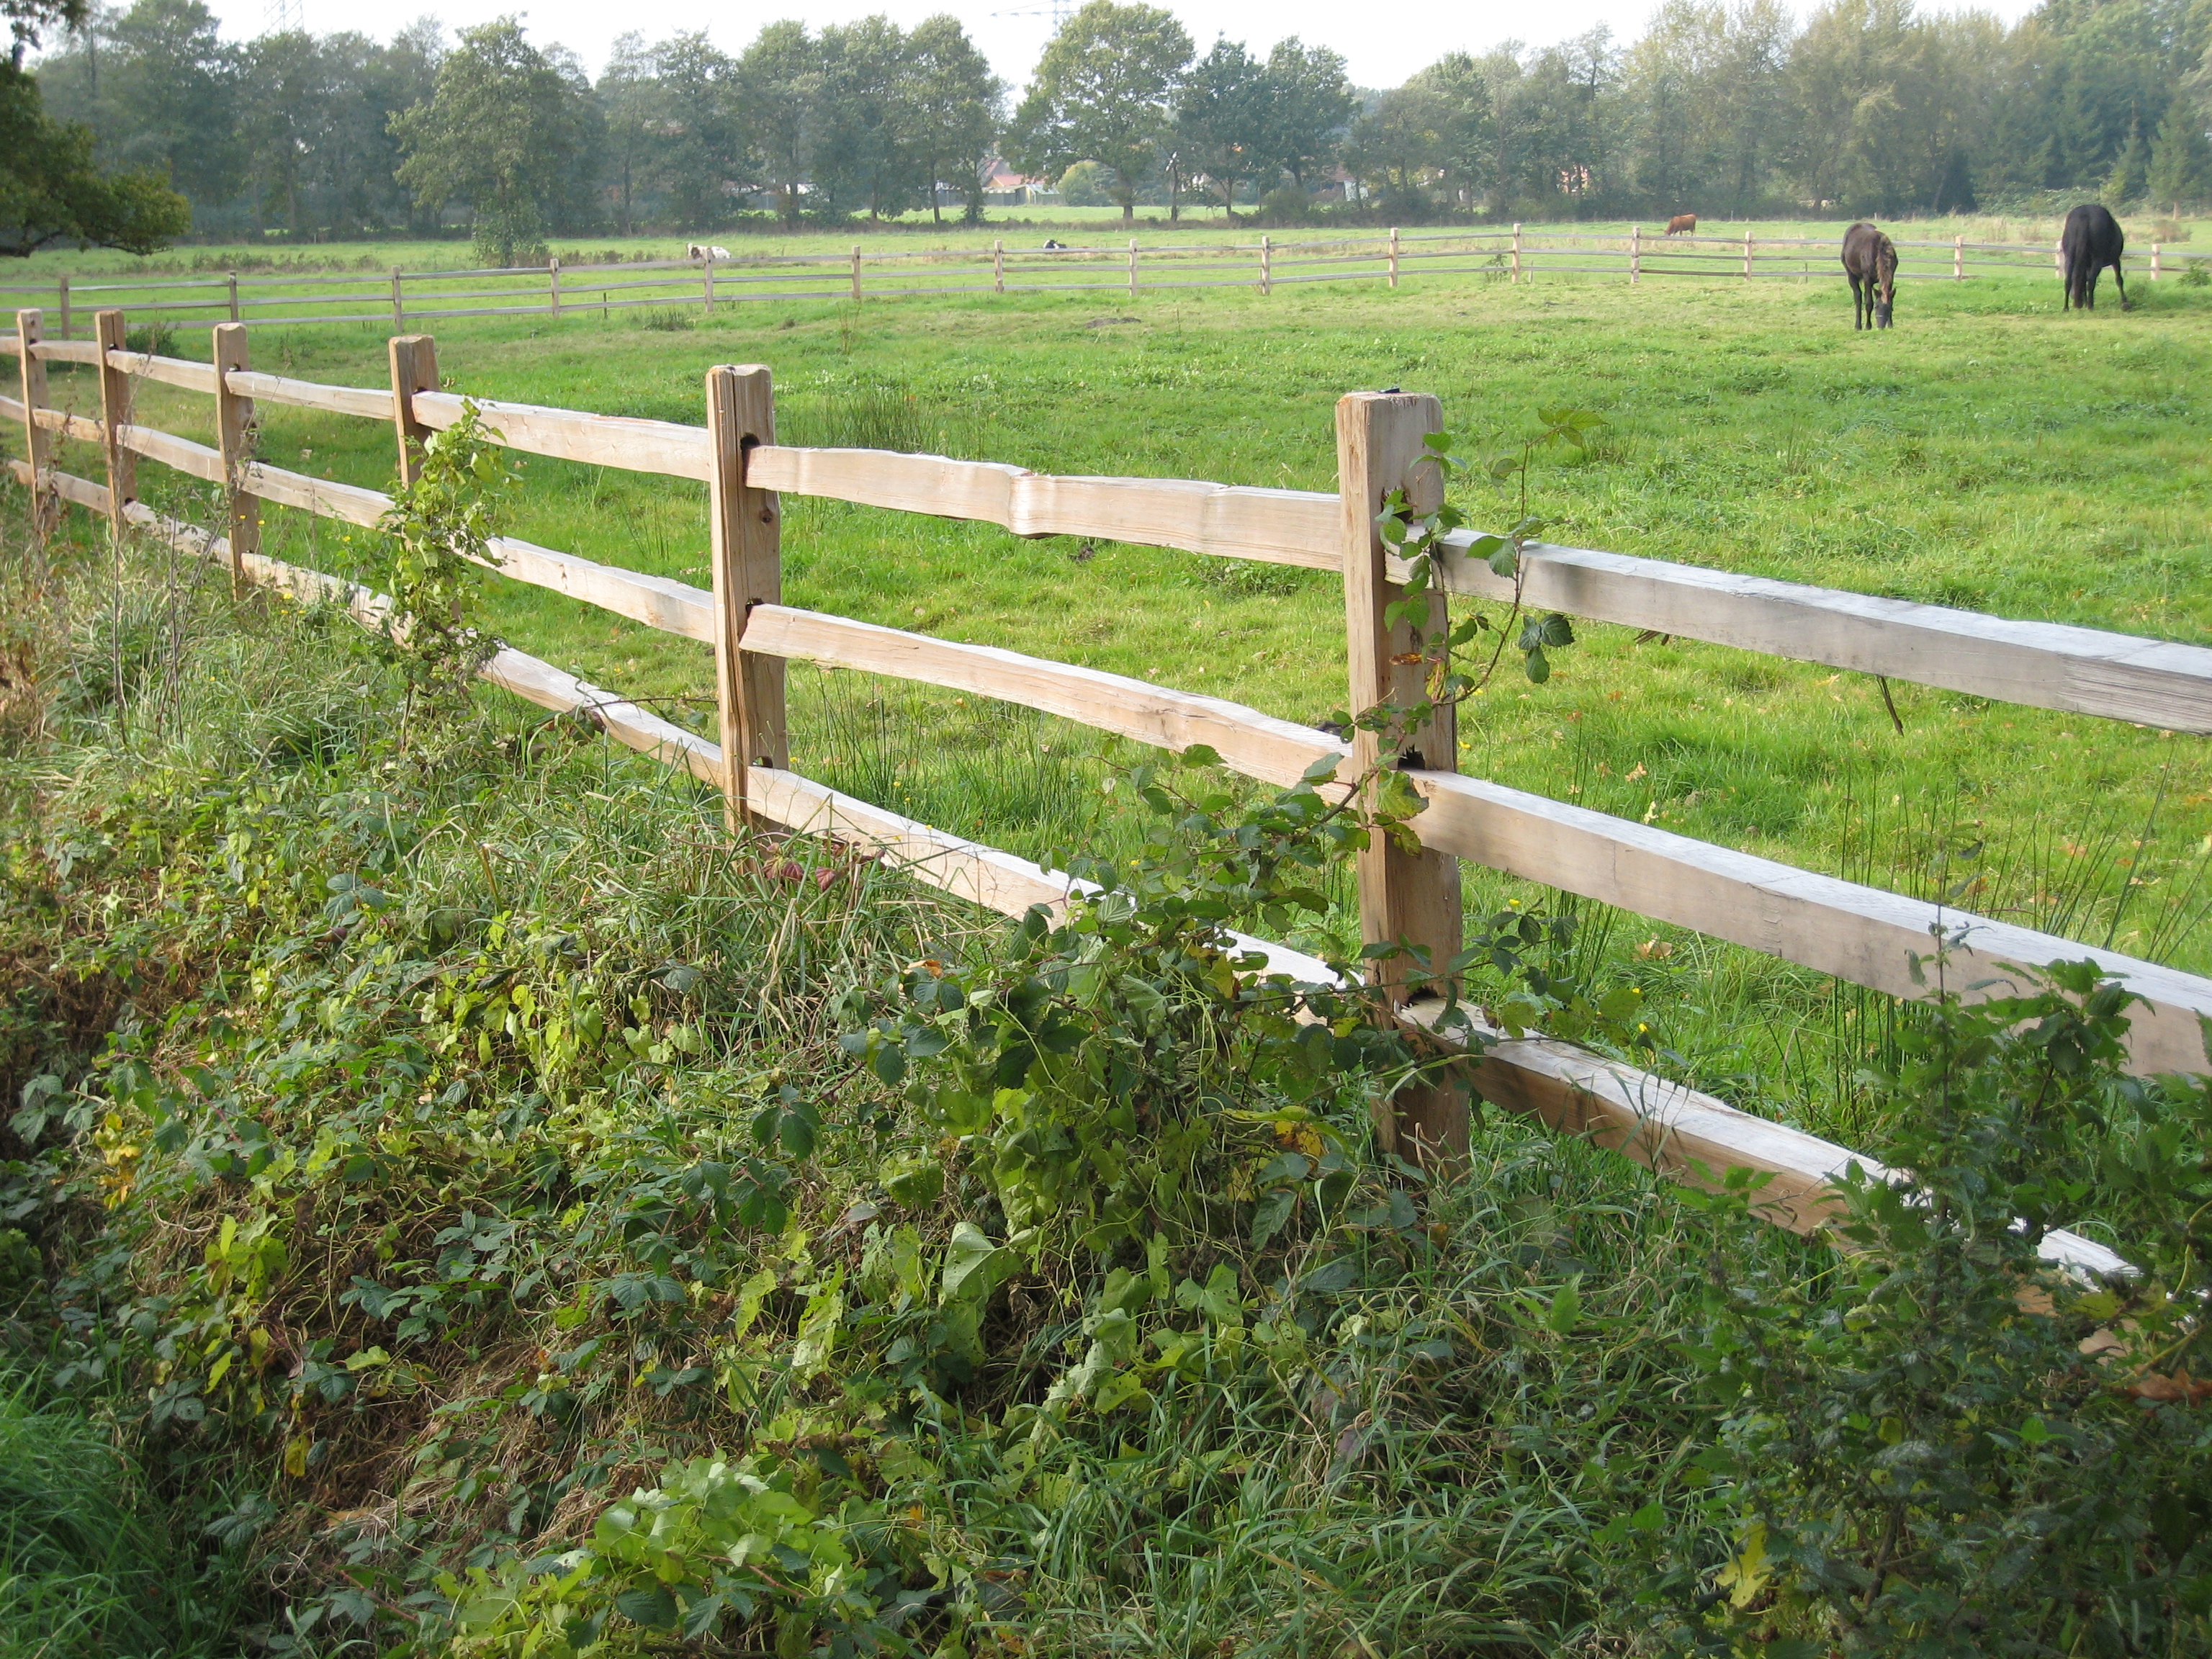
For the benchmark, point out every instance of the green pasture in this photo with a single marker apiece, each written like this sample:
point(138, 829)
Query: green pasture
point(1990, 451)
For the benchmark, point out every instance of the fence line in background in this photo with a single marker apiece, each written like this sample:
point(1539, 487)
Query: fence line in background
point(1516, 254)
point(1857, 933)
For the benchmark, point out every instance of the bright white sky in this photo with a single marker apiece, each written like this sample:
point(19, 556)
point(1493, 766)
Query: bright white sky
point(1382, 47)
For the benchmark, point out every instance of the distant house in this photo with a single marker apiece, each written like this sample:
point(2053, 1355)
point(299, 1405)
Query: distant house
point(1004, 187)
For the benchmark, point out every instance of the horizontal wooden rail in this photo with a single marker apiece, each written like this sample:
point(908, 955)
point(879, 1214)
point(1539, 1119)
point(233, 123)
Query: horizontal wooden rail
point(2082, 670)
point(638, 446)
point(83, 428)
point(310, 394)
point(1277, 526)
point(321, 496)
point(67, 352)
point(171, 371)
point(181, 453)
point(660, 602)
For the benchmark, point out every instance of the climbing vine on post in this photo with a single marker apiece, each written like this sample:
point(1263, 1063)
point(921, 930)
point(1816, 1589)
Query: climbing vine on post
point(442, 526)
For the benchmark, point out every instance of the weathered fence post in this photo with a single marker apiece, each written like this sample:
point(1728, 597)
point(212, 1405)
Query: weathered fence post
point(65, 308)
point(1516, 251)
point(414, 368)
point(234, 295)
point(553, 282)
point(1747, 256)
point(998, 267)
point(234, 420)
point(1635, 255)
point(1266, 264)
point(856, 270)
point(1958, 257)
point(398, 314)
point(747, 532)
point(37, 447)
point(114, 415)
point(1394, 256)
point(2154, 251)
point(1409, 897)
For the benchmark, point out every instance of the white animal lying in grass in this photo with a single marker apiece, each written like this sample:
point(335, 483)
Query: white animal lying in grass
point(700, 251)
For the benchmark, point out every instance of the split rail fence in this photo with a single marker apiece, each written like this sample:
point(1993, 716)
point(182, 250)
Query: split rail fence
point(407, 298)
point(1857, 933)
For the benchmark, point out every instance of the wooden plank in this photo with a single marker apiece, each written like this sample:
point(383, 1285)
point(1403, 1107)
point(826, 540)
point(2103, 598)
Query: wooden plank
point(744, 521)
point(170, 450)
point(320, 496)
point(81, 428)
point(2084, 671)
point(414, 368)
point(68, 351)
point(236, 427)
point(1279, 527)
point(170, 371)
point(1256, 744)
point(1406, 898)
point(309, 394)
point(638, 446)
point(37, 450)
point(114, 415)
point(674, 607)
point(1861, 935)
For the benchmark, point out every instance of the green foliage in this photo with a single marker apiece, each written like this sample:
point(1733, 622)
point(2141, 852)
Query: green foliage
point(1947, 1446)
point(1104, 92)
point(53, 190)
point(442, 524)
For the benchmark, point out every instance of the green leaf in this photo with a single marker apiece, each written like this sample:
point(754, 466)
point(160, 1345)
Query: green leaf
point(1536, 667)
point(1202, 754)
point(971, 1263)
point(1271, 1213)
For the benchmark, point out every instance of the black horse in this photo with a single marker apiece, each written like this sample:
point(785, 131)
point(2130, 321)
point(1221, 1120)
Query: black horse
point(1870, 261)
point(2091, 241)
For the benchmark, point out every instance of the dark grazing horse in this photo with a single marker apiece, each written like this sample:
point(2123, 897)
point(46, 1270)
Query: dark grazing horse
point(2091, 241)
point(1870, 261)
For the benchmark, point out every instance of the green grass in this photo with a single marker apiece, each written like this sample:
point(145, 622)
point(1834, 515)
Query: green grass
point(1989, 452)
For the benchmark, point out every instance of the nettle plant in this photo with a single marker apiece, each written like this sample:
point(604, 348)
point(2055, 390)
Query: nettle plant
point(442, 526)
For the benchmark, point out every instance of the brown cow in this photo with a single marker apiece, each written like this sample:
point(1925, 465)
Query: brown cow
point(1682, 224)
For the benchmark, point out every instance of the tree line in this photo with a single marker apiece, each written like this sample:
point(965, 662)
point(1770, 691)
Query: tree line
point(1733, 107)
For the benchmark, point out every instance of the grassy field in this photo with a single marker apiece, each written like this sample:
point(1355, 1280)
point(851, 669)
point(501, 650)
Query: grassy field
point(1989, 452)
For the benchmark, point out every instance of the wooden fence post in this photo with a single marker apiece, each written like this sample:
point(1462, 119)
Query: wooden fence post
point(234, 296)
point(553, 283)
point(114, 415)
point(398, 313)
point(1635, 255)
point(1412, 897)
point(2153, 261)
point(856, 270)
point(38, 446)
point(998, 267)
point(1266, 264)
point(1958, 257)
point(1516, 251)
point(708, 284)
point(65, 308)
point(1747, 256)
point(1394, 256)
point(746, 534)
point(1132, 267)
point(234, 418)
point(414, 368)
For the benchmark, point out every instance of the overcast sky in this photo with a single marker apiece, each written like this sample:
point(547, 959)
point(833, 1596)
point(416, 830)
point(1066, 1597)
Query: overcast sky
point(1381, 46)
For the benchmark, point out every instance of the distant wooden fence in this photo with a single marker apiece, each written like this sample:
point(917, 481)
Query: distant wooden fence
point(403, 299)
point(1861, 935)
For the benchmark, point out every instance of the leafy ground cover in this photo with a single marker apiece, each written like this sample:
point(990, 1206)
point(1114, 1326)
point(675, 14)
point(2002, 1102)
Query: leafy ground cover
point(1991, 451)
point(501, 1213)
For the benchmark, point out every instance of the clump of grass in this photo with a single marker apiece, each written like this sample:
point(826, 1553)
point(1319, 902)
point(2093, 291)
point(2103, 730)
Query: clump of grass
point(667, 319)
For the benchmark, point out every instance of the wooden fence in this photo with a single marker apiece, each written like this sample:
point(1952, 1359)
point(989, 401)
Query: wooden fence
point(1857, 933)
point(403, 299)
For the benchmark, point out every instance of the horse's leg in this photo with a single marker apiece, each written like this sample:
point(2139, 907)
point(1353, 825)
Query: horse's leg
point(2123, 282)
point(1854, 278)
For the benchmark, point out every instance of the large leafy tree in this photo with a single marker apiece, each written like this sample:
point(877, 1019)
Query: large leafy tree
point(864, 155)
point(779, 92)
point(695, 146)
point(628, 92)
point(1308, 105)
point(1222, 120)
point(1104, 92)
point(953, 104)
point(502, 133)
